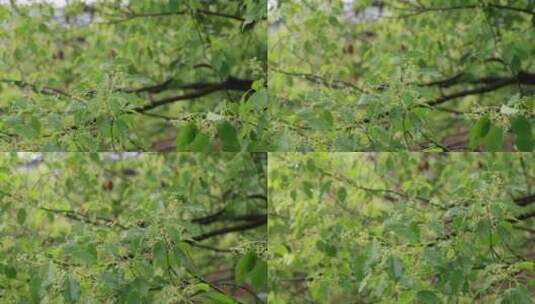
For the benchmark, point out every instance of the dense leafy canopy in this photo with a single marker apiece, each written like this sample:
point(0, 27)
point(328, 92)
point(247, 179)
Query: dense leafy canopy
point(391, 75)
point(401, 228)
point(141, 228)
point(133, 75)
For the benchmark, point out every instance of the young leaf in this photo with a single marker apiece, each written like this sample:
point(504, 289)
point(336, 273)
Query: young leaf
point(479, 131)
point(229, 136)
point(21, 216)
point(523, 135)
point(10, 272)
point(159, 253)
point(258, 275)
point(395, 267)
point(494, 139)
point(326, 248)
point(110, 280)
point(219, 298)
point(341, 194)
point(186, 134)
point(244, 266)
point(201, 143)
point(71, 290)
point(427, 297)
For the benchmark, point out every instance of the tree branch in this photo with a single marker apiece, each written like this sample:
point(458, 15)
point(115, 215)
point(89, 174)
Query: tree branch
point(220, 217)
point(525, 201)
point(233, 84)
point(525, 216)
point(333, 83)
point(250, 225)
point(39, 89)
point(100, 221)
point(421, 10)
point(134, 15)
point(493, 85)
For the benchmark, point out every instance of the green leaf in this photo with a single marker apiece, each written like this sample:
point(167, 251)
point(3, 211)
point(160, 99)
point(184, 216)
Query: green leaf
point(159, 253)
point(327, 119)
point(35, 124)
point(133, 297)
point(260, 99)
point(307, 188)
point(258, 275)
point(186, 134)
point(35, 289)
point(122, 128)
point(19, 56)
point(201, 143)
point(181, 256)
point(110, 280)
point(494, 139)
point(71, 290)
point(333, 21)
point(341, 194)
point(479, 131)
point(229, 136)
point(516, 64)
point(326, 248)
point(173, 5)
point(21, 216)
point(427, 297)
point(219, 298)
point(25, 130)
point(84, 254)
point(222, 64)
point(47, 273)
point(244, 266)
point(517, 295)
point(395, 267)
point(10, 272)
point(523, 135)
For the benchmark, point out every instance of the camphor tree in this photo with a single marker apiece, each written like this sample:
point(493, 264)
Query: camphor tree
point(133, 228)
point(402, 228)
point(390, 75)
point(133, 75)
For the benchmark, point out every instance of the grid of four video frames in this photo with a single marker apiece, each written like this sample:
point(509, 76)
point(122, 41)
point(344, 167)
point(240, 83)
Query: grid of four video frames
point(267, 151)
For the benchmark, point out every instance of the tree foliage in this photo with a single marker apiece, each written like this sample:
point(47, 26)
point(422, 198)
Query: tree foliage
point(133, 228)
point(402, 75)
point(401, 228)
point(133, 75)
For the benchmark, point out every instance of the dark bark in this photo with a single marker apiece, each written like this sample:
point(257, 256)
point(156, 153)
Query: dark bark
point(231, 84)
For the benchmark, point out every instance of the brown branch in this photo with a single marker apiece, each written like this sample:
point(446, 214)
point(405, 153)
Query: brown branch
point(493, 84)
point(156, 88)
point(444, 83)
point(133, 15)
point(512, 8)
point(206, 247)
point(421, 10)
point(334, 83)
point(220, 217)
point(254, 221)
point(385, 193)
point(233, 84)
point(525, 216)
point(493, 87)
point(166, 85)
point(257, 196)
point(250, 225)
point(209, 218)
point(525, 201)
point(39, 89)
point(77, 216)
